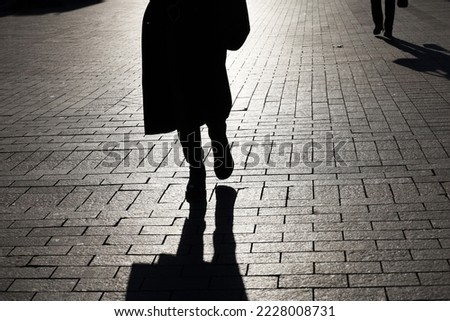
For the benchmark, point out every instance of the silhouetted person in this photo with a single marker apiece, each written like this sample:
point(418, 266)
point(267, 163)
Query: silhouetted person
point(377, 15)
point(185, 83)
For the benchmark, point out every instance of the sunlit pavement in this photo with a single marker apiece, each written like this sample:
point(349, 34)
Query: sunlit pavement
point(340, 138)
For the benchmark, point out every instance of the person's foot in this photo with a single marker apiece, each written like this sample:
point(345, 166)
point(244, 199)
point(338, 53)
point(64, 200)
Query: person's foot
point(388, 34)
point(223, 160)
point(196, 187)
point(377, 30)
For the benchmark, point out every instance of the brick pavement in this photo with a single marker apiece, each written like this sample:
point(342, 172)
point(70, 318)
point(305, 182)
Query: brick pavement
point(341, 141)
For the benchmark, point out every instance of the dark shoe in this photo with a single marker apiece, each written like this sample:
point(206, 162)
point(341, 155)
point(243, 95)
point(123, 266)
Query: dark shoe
point(223, 160)
point(388, 34)
point(377, 30)
point(196, 187)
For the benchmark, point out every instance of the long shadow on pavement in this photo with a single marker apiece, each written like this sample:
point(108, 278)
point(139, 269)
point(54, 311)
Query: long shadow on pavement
point(429, 58)
point(41, 7)
point(185, 276)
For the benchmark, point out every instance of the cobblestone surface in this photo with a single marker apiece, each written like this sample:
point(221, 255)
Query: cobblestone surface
point(341, 141)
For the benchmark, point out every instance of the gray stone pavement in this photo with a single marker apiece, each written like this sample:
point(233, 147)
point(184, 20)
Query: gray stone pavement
point(341, 141)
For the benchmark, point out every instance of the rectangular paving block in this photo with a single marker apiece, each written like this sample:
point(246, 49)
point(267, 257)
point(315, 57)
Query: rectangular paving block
point(419, 293)
point(280, 268)
point(383, 280)
point(347, 267)
point(41, 285)
point(416, 266)
point(313, 281)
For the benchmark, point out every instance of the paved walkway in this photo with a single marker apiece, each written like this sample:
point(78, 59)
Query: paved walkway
point(342, 148)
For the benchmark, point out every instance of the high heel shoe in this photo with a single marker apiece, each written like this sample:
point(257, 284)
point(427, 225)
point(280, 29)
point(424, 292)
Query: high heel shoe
point(196, 187)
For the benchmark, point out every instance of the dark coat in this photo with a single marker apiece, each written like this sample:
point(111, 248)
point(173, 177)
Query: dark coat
point(184, 78)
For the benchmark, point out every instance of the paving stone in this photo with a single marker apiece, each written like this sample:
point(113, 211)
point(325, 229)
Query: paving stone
point(415, 266)
point(445, 243)
point(60, 260)
point(313, 281)
point(402, 225)
point(100, 249)
point(282, 247)
point(23, 241)
point(5, 283)
point(84, 272)
point(76, 240)
point(378, 255)
point(37, 285)
point(373, 235)
point(312, 218)
point(121, 260)
point(280, 268)
point(14, 261)
point(310, 257)
point(407, 244)
point(10, 233)
point(343, 226)
point(344, 245)
point(435, 278)
point(37, 223)
point(250, 282)
point(383, 280)
point(122, 295)
point(67, 296)
point(16, 296)
point(428, 234)
point(312, 236)
point(5, 250)
point(100, 285)
point(122, 230)
point(56, 231)
point(256, 258)
point(430, 254)
point(419, 293)
point(347, 267)
point(287, 228)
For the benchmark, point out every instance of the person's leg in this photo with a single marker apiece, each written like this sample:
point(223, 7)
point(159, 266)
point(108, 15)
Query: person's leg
point(193, 152)
point(223, 160)
point(377, 16)
point(389, 20)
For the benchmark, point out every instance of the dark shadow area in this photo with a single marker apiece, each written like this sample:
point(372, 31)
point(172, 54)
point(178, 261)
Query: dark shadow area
point(40, 7)
point(430, 58)
point(186, 276)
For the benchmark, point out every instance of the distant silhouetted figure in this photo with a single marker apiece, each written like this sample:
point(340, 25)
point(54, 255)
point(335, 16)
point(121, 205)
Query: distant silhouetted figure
point(185, 83)
point(377, 15)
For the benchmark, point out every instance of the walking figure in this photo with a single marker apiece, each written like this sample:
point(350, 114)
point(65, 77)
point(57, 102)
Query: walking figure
point(185, 83)
point(377, 15)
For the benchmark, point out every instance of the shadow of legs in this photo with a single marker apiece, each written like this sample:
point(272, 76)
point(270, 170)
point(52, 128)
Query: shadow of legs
point(186, 276)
